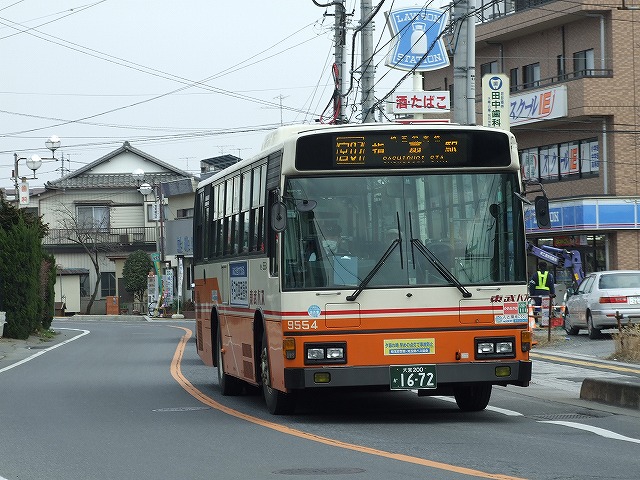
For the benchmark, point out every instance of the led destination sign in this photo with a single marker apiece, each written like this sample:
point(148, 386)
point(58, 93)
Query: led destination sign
point(395, 150)
point(402, 149)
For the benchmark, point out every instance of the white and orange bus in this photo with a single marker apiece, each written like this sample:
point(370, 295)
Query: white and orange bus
point(366, 256)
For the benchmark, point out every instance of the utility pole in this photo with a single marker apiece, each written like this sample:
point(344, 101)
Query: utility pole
point(464, 64)
point(368, 69)
point(281, 97)
point(340, 35)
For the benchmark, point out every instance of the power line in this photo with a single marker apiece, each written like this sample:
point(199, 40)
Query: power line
point(187, 83)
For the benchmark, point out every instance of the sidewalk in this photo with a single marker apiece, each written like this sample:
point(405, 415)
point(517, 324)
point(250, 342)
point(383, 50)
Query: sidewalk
point(621, 393)
point(13, 350)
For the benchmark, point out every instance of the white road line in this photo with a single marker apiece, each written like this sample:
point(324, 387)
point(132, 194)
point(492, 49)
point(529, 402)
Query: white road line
point(42, 352)
point(503, 411)
point(598, 431)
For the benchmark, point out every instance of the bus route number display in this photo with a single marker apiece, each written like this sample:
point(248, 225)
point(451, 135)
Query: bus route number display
point(400, 150)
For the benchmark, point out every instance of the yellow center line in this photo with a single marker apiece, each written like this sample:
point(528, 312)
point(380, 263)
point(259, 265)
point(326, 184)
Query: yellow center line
point(176, 373)
point(585, 363)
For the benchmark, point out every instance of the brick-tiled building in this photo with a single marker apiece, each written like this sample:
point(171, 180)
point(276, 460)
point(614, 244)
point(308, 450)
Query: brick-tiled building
point(574, 110)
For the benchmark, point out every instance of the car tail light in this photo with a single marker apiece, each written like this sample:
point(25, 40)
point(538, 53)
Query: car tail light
point(616, 299)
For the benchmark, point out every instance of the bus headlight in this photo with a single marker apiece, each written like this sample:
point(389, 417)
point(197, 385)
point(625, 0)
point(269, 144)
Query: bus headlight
point(316, 353)
point(504, 347)
point(335, 353)
point(495, 347)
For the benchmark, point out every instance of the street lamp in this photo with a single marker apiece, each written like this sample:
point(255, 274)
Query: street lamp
point(34, 162)
point(147, 189)
point(22, 189)
point(53, 143)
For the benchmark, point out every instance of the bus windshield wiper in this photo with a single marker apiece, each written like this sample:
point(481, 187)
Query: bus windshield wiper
point(363, 284)
point(435, 261)
point(442, 270)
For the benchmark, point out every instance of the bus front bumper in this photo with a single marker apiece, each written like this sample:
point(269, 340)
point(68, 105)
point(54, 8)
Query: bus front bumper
point(448, 375)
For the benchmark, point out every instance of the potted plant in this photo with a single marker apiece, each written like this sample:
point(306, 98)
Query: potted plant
point(124, 309)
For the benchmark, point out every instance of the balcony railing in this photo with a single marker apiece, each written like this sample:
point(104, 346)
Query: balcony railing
point(567, 77)
point(110, 236)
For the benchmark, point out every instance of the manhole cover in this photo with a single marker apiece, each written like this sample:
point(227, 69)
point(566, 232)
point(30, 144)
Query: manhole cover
point(319, 471)
point(180, 409)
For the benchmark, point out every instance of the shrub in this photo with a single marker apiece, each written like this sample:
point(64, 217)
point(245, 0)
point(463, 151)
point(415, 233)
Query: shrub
point(135, 271)
point(628, 343)
point(20, 292)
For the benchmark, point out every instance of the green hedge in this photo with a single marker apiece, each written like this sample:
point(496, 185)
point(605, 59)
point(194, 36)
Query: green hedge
point(26, 283)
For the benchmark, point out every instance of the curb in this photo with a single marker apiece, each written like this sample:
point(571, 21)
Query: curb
point(621, 393)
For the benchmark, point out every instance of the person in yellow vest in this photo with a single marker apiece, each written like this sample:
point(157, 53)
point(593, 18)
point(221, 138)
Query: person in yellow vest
point(541, 284)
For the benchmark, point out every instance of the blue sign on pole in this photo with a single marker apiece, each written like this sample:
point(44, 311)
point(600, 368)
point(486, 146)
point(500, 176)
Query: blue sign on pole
point(418, 43)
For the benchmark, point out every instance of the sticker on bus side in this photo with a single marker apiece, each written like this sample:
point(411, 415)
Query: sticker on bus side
point(410, 346)
point(239, 279)
point(314, 311)
point(513, 312)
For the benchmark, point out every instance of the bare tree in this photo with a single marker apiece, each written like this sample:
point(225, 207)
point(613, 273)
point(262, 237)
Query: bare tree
point(93, 235)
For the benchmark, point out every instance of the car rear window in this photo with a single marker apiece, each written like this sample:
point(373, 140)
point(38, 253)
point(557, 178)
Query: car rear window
point(620, 280)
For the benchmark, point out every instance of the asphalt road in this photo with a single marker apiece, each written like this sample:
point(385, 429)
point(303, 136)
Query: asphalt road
point(125, 401)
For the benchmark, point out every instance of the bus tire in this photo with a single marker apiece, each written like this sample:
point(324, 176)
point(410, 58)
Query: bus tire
point(229, 385)
point(278, 403)
point(472, 398)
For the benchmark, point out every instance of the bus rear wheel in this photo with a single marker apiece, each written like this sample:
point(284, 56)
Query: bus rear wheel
point(229, 385)
point(278, 403)
point(472, 398)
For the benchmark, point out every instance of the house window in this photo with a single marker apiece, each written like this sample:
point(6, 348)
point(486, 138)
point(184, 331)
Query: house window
point(93, 217)
point(487, 68)
point(184, 213)
point(107, 284)
point(583, 63)
point(531, 75)
point(513, 80)
point(562, 72)
point(153, 212)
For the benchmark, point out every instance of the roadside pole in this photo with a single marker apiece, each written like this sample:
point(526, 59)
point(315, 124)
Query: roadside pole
point(464, 69)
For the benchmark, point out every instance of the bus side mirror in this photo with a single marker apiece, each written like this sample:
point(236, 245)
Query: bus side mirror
point(541, 204)
point(278, 217)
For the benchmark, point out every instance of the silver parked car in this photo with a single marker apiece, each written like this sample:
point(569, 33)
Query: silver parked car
point(599, 297)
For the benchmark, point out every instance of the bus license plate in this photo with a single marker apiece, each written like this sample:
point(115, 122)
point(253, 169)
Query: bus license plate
point(411, 377)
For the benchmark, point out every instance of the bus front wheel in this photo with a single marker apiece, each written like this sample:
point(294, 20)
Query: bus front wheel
point(278, 403)
point(472, 398)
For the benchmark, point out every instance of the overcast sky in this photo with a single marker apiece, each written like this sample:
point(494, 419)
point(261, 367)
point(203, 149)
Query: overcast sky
point(180, 80)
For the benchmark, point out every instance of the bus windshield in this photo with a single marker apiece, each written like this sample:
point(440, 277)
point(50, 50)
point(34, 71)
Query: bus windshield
point(340, 228)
